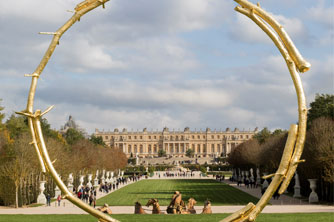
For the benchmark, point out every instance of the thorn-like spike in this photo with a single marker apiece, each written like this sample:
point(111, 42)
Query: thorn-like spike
point(258, 5)
point(71, 11)
point(49, 33)
point(47, 110)
point(31, 75)
point(268, 176)
point(54, 161)
point(24, 113)
point(300, 161)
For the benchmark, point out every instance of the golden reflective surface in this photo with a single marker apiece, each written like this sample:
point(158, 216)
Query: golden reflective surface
point(294, 145)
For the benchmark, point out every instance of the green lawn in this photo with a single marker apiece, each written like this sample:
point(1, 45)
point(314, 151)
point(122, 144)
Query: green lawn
point(302, 217)
point(218, 193)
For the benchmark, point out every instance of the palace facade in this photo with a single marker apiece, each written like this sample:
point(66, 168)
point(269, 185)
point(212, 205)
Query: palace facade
point(175, 143)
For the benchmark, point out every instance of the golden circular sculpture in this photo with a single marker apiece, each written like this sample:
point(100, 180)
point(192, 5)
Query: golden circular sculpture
point(294, 144)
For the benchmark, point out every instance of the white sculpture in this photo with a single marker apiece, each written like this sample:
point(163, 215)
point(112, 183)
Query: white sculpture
point(137, 159)
point(258, 177)
point(70, 182)
point(313, 198)
point(107, 177)
point(251, 175)
point(296, 188)
point(96, 180)
point(89, 183)
point(41, 199)
point(57, 190)
point(81, 180)
point(103, 180)
point(265, 182)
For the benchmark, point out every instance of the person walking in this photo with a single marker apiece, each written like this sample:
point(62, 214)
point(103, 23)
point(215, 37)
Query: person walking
point(48, 199)
point(58, 200)
point(94, 201)
point(91, 198)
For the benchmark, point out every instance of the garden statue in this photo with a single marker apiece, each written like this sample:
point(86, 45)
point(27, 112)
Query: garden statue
point(89, 183)
point(296, 193)
point(313, 198)
point(41, 199)
point(258, 177)
point(294, 145)
point(70, 182)
point(81, 180)
point(103, 178)
point(57, 190)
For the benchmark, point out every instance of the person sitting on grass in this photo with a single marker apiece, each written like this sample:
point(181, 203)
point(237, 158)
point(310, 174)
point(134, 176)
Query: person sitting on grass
point(105, 209)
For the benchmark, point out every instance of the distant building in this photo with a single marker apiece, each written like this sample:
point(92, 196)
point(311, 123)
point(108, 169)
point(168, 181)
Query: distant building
point(71, 124)
point(175, 143)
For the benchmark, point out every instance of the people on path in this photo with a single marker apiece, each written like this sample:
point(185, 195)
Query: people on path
point(58, 200)
point(48, 199)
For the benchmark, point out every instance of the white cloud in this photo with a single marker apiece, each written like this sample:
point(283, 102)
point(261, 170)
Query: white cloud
point(37, 10)
point(246, 30)
point(322, 14)
point(82, 56)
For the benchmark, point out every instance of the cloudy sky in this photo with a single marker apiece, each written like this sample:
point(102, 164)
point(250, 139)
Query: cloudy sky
point(156, 63)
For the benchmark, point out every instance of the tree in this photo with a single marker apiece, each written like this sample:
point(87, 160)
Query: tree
point(271, 152)
point(98, 140)
point(2, 116)
point(19, 162)
point(72, 136)
point(190, 153)
point(47, 131)
point(319, 150)
point(17, 125)
point(323, 105)
point(161, 153)
point(262, 135)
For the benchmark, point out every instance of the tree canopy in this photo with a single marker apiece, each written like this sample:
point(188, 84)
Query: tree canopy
point(323, 105)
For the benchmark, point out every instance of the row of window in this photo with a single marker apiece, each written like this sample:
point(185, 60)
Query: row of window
point(182, 137)
point(177, 149)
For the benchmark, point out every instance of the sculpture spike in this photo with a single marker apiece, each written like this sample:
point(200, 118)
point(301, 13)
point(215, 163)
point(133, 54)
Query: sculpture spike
point(49, 33)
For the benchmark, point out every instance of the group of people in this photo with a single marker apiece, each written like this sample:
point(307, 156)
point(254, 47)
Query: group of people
point(86, 194)
point(247, 181)
point(178, 206)
point(176, 174)
point(220, 177)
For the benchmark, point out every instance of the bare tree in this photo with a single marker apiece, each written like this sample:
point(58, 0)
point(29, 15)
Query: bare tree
point(18, 163)
point(319, 149)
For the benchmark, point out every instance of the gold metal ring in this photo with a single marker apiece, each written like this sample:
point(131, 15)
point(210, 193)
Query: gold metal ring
point(294, 145)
